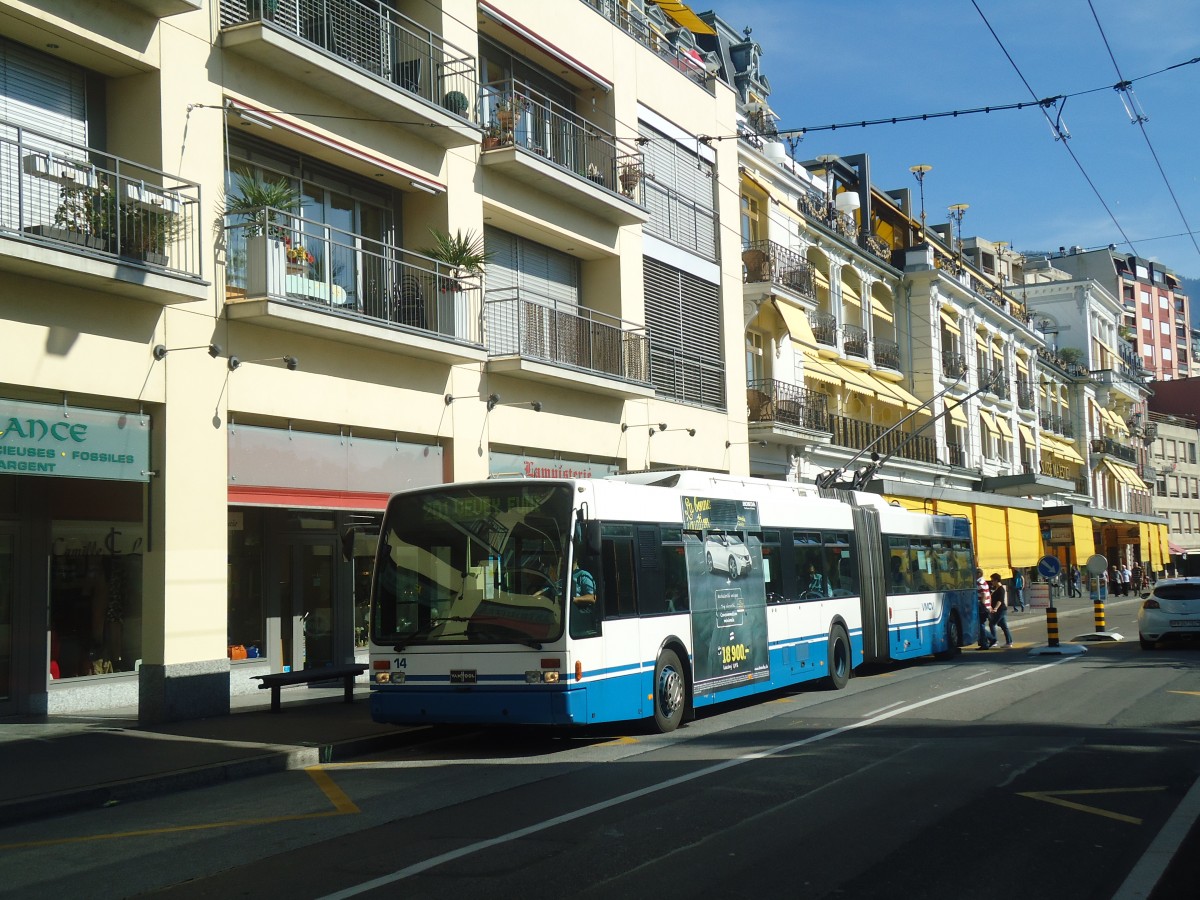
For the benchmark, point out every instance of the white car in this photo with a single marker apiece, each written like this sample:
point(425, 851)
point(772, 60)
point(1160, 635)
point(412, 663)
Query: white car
point(727, 553)
point(1171, 611)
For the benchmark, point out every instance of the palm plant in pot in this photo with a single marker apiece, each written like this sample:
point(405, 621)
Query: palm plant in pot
point(463, 254)
point(262, 250)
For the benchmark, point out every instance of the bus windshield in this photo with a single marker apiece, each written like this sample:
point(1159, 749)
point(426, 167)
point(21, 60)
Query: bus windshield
point(480, 564)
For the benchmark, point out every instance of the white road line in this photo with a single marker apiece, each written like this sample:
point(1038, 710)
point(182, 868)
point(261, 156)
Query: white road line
point(881, 709)
point(1154, 861)
point(450, 856)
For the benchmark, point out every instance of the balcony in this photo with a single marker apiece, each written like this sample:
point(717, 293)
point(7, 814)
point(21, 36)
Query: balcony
point(1024, 394)
point(367, 55)
point(534, 140)
point(954, 365)
point(782, 404)
point(769, 263)
point(307, 277)
point(634, 23)
point(542, 340)
point(1111, 447)
point(887, 354)
point(854, 341)
point(1125, 379)
point(76, 215)
point(858, 435)
point(164, 8)
point(956, 455)
point(824, 328)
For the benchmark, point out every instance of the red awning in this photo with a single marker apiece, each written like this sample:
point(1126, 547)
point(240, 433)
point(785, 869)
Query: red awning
point(1175, 549)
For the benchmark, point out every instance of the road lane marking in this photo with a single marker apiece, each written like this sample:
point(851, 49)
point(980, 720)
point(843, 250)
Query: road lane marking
point(343, 805)
point(1055, 797)
point(583, 812)
point(1153, 864)
point(881, 709)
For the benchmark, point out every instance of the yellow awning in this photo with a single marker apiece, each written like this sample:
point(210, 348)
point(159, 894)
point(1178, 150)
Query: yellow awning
point(881, 312)
point(991, 539)
point(1156, 554)
point(855, 380)
point(1024, 537)
point(955, 413)
point(949, 508)
point(905, 397)
point(1061, 448)
point(1164, 551)
point(1129, 475)
point(912, 504)
point(815, 368)
point(950, 322)
point(820, 278)
point(1085, 541)
point(988, 420)
point(1005, 430)
point(1026, 434)
point(684, 17)
point(797, 323)
point(981, 341)
point(1144, 540)
point(850, 294)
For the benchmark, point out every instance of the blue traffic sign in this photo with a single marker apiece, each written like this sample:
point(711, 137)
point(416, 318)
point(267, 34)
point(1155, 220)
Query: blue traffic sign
point(1049, 567)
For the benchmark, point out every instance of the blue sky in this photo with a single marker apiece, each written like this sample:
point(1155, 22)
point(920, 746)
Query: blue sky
point(867, 59)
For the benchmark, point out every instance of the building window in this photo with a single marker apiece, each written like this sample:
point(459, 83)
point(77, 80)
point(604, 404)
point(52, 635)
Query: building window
point(680, 194)
point(683, 316)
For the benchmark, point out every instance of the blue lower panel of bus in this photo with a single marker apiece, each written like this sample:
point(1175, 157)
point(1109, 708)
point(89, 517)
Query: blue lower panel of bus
point(411, 705)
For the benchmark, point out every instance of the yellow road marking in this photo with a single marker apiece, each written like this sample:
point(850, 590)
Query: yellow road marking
point(1055, 797)
point(1187, 693)
point(343, 805)
point(618, 742)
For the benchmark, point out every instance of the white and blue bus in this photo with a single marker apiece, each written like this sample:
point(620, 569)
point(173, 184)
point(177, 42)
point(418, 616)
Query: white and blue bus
point(704, 588)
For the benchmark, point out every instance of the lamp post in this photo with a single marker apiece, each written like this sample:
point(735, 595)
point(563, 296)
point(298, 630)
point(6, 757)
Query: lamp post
point(957, 211)
point(920, 171)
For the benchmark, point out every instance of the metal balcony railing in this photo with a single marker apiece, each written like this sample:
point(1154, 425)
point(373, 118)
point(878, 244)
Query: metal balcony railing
point(532, 327)
point(284, 257)
point(515, 114)
point(956, 455)
point(786, 404)
point(824, 326)
point(766, 261)
point(858, 435)
point(954, 364)
point(1114, 448)
point(854, 341)
point(84, 200)
point(887, 354)
point(631, 20)
point(375, 39)
point(1024, 394)
point(680, 220)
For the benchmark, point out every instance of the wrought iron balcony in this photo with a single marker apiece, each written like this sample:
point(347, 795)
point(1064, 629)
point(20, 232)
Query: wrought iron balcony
point(786, 404)
point(285, 258)
point(854, 341)
point(858, 435)
point(1113, 448)
point(768, 262)
point(954, 364)
point(83, 200)
point(517, 115)
point(877, 245)
point(373, 38)
point(824, 326)
point(1024, 394)
point(956, 455)
point(575, 337)
point(887, 354)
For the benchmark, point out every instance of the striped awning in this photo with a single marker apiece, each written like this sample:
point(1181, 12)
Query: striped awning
point(989, 421)
point(1005, 430)
point(954, 412)
point(816, 369)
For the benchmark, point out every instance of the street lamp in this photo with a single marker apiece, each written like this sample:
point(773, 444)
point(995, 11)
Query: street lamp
point(920, 171)
point(957, 211)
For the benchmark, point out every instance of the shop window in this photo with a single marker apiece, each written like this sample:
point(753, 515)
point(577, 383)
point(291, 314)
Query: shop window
point(246, 613)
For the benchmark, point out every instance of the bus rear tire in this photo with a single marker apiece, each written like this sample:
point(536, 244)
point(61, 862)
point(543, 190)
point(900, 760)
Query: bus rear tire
point(669, 690)
point(839, 659)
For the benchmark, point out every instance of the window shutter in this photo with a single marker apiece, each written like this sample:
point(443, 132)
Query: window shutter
point(683, 318)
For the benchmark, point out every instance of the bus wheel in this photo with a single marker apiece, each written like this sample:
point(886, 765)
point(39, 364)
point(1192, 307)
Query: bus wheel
point(668, 692)
point(839, 659)
point(953, 638)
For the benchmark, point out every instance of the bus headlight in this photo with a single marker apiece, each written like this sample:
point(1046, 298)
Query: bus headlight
point(397, 678)
point(383, 677)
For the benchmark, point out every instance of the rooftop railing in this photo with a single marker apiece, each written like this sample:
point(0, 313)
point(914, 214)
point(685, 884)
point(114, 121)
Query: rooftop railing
point(284, 257)
point(84, 200)
point(633, 23)
point(377, 40)
point(523, 324)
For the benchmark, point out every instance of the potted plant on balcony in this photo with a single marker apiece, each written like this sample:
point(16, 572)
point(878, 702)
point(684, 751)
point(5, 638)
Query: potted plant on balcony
point(265, 253)
point(507, 109)
point(463, 254)
point(84, 216)
point(493, 137)
point(148, 234)
point(631, 177)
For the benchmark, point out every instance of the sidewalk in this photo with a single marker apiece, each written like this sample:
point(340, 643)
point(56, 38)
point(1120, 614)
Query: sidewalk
point(59, 764)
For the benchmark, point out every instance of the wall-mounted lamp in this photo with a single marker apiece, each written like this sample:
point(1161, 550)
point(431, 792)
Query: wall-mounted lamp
point(290, 361)
point(161, 350)
point(691, 431)
point(729, 444)
point(493, 401)
point(424, 186)
point(249, 118)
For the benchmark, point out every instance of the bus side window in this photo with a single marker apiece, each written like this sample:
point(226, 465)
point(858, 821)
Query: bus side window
point(812, 582)
point(772, 572)
point(675, 584)
point(841, 564)
point(619, 583)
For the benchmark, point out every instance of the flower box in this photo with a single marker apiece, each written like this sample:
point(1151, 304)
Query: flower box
point(63, 171)
point(152, 199)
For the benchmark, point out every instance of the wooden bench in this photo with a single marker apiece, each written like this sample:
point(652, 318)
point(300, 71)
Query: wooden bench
point(345, 671)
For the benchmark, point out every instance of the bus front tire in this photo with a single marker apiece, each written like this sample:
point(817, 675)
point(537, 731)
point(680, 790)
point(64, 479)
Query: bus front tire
point(953, 638)
point(839, 659)
point(669, 685)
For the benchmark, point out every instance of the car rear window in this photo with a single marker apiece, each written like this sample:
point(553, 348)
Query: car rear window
point(1178, 591)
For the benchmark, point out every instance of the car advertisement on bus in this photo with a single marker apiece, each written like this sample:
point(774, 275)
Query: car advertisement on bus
point(728, 596)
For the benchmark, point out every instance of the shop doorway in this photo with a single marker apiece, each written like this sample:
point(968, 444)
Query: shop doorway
point(307, 631)
point(8, 588)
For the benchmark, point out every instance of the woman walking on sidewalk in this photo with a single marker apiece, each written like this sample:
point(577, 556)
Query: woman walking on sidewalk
point(999, 614)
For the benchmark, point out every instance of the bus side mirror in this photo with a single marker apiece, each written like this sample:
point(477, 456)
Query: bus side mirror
point(591, 537)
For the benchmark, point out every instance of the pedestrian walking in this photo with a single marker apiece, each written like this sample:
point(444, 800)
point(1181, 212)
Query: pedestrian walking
point(1074, 586)
point(999, 614)
point(1126, 579)
point(1018, 590)
point(1136, 577)
point(984, 599)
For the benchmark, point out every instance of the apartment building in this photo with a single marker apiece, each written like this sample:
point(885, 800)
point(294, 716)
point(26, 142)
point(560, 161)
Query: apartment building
point(233, 329)
point(1173, 424)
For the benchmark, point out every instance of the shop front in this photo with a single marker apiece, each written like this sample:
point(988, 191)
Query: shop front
point(72, 538)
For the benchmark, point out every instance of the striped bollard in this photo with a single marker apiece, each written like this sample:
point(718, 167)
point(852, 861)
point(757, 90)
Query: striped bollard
point(1052, 626)
point(1098, 610)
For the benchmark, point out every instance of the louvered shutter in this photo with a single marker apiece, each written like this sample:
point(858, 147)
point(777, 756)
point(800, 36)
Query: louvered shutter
point(683, 318)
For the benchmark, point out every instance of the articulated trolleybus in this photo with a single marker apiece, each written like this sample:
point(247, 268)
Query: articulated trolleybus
point(574, 602)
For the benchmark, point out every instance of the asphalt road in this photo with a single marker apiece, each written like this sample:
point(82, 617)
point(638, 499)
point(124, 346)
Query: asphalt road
point(997, 774)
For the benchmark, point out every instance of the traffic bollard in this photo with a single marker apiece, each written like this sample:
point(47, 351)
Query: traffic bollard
point(1052, 626)
point(1098, 609)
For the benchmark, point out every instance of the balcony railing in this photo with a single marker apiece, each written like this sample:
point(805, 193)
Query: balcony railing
point(633, 23)
point(84, 200)
point(283, 257)
point(956, 455)
point(375, 39)
point(522, 324)
point(994, 381)
point(954, 364)
point(858, 435)
point(887, 354)
point(786, 404)
point(1114, 448)
point(680, 220)
point(855, 341)
point(824, 328)
point(515, 114)
point(766, 261)
point(1024, 394)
